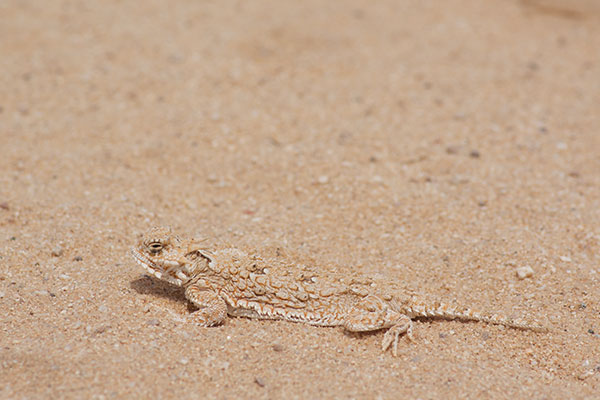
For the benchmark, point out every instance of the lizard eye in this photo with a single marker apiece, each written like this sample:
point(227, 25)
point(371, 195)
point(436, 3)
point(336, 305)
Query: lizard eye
point(155, 247)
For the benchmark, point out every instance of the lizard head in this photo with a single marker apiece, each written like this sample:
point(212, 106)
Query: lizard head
point(168, 257)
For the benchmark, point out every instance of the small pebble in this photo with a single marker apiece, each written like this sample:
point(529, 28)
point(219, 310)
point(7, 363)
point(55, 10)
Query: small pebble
point(101, 329)
point(529, 351)
point(524, 272)
point(183, 361)
point(323, 179)
point(586, 374)
point(41, 292)
point(212, 178)
point(64, 276)
point(4, 205)
point(77, 258)
point(1, 294)
point(474, 154)
point(57, 251)
point(259, 381)
point(565, 258)
point(277, 347)
point(153, 322)
point(103, 308)
point(452, 149)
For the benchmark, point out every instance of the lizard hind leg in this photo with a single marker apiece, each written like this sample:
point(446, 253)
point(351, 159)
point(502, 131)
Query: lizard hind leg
point(372, 313)
point(402, 325)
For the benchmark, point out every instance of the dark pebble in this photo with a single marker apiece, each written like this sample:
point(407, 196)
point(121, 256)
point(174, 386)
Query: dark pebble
point(277, 347)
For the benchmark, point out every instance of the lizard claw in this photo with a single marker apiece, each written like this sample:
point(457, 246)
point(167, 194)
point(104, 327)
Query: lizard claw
point(392, 335)
point(203, 319)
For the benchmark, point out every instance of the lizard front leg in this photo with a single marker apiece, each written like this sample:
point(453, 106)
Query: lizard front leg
point(373, 313)
point(213, 309)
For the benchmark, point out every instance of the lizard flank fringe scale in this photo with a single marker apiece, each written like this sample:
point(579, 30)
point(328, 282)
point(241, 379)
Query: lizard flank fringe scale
point(229, 282)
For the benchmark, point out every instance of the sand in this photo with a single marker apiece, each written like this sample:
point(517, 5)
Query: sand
point(441, 147)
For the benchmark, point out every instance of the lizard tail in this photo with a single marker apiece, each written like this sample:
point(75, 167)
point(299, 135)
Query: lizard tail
point(444, 311)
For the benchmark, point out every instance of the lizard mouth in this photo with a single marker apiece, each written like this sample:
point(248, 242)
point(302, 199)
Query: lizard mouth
point(154, 269)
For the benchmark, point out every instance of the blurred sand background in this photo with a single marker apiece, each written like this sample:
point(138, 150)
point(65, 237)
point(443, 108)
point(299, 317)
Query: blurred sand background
point(439, 146)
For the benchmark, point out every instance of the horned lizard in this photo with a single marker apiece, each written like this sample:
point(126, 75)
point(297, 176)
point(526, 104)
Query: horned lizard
point(231, 282)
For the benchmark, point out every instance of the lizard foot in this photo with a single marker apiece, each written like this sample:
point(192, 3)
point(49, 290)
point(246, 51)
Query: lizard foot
point(204, 318)
point(403, 325)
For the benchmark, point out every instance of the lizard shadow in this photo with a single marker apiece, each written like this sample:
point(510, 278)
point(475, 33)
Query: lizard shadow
point(150, 286)
point(360, 335)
